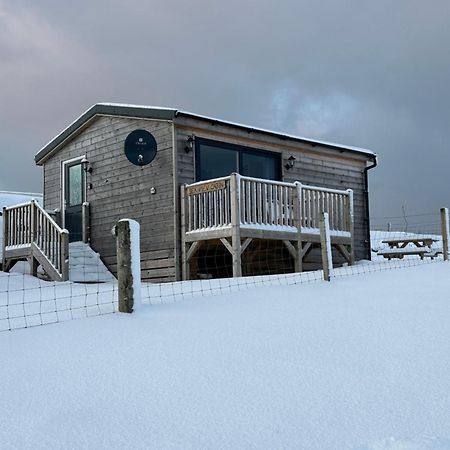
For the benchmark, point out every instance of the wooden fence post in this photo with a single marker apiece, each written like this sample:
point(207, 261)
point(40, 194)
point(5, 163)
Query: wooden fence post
point(445, 229)
point(128, 264)
point(64, 255)
point(325, 242)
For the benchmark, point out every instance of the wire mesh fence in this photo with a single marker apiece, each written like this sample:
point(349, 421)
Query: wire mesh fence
point(395, 243)
point(27, 301)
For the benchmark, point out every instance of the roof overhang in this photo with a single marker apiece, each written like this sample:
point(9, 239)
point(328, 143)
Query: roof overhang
point(156, 113)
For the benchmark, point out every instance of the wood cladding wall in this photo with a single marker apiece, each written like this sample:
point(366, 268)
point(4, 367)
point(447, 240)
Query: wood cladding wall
point(123, 190)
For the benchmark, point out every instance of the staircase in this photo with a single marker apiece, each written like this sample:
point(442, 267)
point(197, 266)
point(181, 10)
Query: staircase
point(29, 233)
point(85, 265)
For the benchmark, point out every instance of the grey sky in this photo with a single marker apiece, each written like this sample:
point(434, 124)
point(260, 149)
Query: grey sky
point(368, 74)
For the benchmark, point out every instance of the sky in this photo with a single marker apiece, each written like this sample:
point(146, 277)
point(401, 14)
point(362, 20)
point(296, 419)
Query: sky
point(363, 73)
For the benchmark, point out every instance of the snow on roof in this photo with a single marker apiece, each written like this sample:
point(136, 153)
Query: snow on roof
point(241, 125)
point(157, 112)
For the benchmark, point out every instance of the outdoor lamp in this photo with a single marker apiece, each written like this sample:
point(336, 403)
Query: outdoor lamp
point(189, 144)
point(86, 165)
point(290, 162)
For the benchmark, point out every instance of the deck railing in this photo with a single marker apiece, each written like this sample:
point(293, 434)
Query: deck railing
point(222, 202)
point(29, 230)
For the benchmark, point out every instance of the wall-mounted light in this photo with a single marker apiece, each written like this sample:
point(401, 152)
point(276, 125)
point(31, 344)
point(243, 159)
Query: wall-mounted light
point(86, 165)
point(189, 144)
point(290, 163)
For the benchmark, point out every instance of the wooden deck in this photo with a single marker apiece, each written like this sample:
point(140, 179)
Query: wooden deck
point(238, 209)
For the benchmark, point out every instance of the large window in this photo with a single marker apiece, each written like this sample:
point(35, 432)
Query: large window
point(218, 159)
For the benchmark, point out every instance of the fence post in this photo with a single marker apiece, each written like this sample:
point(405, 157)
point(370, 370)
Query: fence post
point(64, 255)
point(325, 243)
point(445, 228)
point(128, 264)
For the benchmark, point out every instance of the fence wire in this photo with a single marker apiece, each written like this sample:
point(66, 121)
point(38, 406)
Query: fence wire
point(26, 301)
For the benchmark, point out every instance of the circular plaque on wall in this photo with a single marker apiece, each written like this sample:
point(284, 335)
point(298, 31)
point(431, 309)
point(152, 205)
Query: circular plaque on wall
point(140, 147)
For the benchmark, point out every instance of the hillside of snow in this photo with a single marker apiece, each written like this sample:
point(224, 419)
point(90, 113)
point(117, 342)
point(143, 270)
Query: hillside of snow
point(360, 363)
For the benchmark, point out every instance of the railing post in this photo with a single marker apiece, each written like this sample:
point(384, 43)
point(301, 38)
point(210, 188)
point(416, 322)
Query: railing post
point(351, 226)
point(445, 229)
point(33, 221)
point(85, 220)
point(325, 243)
point(128, 264)
point(235, 183)
point(64, 255)
point(5, 236)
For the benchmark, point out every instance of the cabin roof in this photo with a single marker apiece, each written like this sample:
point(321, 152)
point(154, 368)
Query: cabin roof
point(153, 112)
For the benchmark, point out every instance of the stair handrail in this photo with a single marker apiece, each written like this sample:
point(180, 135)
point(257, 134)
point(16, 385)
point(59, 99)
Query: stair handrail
point(29, 224)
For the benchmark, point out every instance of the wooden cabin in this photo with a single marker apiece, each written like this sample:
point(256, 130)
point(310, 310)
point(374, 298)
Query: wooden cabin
point(196, 183)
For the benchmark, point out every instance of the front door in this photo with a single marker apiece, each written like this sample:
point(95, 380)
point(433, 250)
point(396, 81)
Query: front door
point(74, 196)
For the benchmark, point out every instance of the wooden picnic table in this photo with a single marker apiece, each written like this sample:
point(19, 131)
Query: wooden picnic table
point(398, 248)
point(419, 242)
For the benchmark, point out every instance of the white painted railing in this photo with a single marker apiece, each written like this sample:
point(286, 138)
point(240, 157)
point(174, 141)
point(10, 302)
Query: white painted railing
point(29, 226)
point(266, 202)
point(338, 204)
point(207, 204)
point(212, 204)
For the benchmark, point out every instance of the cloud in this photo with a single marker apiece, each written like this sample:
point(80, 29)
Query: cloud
point(368, 74)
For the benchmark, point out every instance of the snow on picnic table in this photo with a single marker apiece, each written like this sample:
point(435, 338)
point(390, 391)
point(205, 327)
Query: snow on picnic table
point(358, 363)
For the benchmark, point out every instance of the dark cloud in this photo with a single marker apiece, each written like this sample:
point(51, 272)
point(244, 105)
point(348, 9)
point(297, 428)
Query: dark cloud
point(369, 74)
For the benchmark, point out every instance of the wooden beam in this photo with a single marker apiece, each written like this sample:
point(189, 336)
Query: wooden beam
point(227, 244)
point(192, 250)
point(344, 252)
point(245, 244)
point(306, 249)
point(292, 250)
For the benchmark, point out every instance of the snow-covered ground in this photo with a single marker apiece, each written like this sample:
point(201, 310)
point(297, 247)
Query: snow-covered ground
point(361, 363)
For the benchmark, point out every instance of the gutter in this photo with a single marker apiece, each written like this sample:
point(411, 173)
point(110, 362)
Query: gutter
point(366, 195)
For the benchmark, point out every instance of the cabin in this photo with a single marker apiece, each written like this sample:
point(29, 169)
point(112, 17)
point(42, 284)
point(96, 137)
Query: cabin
point(198, 186)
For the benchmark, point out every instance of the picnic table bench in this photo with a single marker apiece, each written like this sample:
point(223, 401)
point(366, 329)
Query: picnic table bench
point(398, 248)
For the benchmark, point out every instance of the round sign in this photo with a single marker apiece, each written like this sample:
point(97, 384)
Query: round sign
point(140, 147)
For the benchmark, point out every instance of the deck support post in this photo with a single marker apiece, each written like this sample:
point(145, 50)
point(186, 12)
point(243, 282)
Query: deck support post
point(445, 230)
point(351, 226)
point(184, 263)
point(236, 224)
